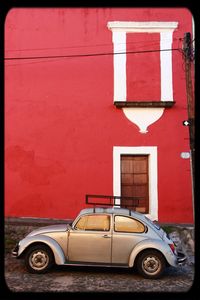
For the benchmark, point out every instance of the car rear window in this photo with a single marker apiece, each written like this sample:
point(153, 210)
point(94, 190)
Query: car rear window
point(126, 224)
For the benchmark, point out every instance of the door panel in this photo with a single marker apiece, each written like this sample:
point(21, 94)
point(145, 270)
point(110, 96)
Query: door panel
point(140, 179)
point(123, 244)
point(135, 180)
point(127, 233)
point(127, 179)
point(88, 246)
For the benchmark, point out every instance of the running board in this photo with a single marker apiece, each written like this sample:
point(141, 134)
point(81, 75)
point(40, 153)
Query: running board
point(80, 264)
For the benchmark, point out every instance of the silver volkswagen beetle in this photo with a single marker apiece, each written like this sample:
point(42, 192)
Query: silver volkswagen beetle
point(111, 237)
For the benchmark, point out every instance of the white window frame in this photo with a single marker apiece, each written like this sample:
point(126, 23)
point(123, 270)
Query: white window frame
point(151, 151)
point(119, 30)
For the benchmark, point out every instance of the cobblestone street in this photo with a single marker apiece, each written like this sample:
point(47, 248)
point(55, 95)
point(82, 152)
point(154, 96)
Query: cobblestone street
point(82, 279)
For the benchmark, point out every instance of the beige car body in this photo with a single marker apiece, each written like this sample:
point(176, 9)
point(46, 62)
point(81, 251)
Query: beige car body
point(72, 246)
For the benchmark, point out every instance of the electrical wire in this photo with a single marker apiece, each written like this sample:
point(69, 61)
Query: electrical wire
point(87, 55)
point(152, 42)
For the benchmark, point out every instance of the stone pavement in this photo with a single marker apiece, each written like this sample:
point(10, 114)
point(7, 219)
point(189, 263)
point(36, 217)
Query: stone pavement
point(92, 279)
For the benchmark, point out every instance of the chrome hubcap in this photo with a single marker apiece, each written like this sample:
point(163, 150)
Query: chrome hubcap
point(151, 264)
point(39, 260)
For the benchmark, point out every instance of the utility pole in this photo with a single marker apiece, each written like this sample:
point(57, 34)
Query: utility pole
point(188, 57)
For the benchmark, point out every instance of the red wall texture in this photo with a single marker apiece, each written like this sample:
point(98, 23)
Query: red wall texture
point(60, 121)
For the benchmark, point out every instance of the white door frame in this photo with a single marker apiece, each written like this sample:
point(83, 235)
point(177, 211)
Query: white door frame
point(151, 151)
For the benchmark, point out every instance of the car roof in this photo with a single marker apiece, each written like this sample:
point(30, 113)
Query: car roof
point(111, 210)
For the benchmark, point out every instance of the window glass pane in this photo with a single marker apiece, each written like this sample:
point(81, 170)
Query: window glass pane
point(98, 222)
point(127, 224)
point(81, 223)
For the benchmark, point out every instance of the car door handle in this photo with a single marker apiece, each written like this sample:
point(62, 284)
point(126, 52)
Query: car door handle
point(106, 236)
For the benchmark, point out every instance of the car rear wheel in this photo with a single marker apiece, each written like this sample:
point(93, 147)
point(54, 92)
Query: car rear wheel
point(151, 264)
point(38, 259)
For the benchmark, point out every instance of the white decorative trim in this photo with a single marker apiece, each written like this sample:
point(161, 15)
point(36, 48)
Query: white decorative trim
point(119, 42)
point(166, 66)
point(143, 116)
point(142, 26)
point(153, 174)
point(119, 30)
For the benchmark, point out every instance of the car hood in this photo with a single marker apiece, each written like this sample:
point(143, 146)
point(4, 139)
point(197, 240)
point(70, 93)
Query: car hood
point(51, 228)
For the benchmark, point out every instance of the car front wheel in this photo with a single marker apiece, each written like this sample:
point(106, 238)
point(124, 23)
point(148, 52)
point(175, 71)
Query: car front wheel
point(38, 259)
point(151, 264)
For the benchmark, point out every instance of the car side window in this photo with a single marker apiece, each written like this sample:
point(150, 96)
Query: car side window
point(80, 225)
point(94, 222)
point(126, 224)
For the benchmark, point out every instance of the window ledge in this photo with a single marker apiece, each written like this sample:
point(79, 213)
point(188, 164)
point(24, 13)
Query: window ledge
point(121, 104)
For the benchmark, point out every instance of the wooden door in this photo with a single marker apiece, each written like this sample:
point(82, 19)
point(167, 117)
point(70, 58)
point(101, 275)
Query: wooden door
point(135, 181)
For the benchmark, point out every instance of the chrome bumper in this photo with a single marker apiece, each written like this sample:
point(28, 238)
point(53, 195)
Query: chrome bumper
point(15, 250)
point(181, 259)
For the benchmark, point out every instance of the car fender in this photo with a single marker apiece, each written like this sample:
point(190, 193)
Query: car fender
point(156, 245)
point(53, 245)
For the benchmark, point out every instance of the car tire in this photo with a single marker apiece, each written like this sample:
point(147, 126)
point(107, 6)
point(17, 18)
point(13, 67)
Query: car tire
point(39, 259)
point(151, 264)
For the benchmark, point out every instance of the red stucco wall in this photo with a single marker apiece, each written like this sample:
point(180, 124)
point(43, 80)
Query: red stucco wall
point(60, 121)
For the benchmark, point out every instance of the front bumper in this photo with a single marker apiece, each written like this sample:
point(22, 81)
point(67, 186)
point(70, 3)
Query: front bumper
point(15, 250)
